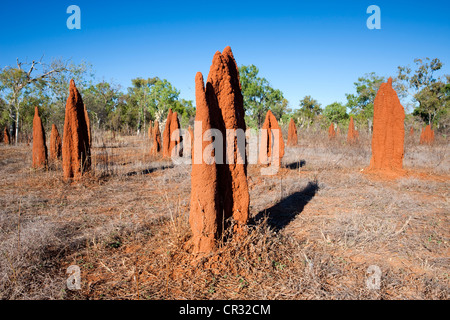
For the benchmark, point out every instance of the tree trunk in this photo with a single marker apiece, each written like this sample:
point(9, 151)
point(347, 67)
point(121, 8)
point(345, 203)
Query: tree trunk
point(16, 120)
point(17, 125)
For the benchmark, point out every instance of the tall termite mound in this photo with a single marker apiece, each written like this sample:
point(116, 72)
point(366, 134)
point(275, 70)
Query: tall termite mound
point(88, 124)
point(76, 149)
point(352, 134)
point(55, 144)
point(427, 135)
point(388, 130)
point(271, 140)
point(170, 142)
point(156, 136)
point(292, 134)
point(175, 136)
point(188, 147)
point(219, 188)
point(39, 146)
point(6, 137)
point(331, 132)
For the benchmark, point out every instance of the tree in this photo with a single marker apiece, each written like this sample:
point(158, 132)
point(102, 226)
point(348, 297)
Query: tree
point(154, 97)
point(427, 90)
point(309, 109)
point(259, 96)
point(101, 100)
point(336, 112)
point(361, 103)
point(58, 85)
point(15, 80)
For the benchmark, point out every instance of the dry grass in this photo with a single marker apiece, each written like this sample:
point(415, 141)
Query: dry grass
point(316, 227)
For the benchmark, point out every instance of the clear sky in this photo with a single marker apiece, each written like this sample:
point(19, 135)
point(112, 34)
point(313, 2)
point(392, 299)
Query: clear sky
point(316, 48)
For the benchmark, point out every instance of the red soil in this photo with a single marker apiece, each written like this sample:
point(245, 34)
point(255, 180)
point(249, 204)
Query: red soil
point(388, 130)
point(39, 146)
point(76, 147)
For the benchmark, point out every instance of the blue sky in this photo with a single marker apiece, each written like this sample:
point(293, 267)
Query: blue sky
point(316, 48)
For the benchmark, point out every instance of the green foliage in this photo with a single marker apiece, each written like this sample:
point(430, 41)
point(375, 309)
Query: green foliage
point(429, 92)
point(27, 85)
point(101, 101)
point(154, 97)
point(259, 96)
point(335, 113)
point(361, 103)
point(308, 111)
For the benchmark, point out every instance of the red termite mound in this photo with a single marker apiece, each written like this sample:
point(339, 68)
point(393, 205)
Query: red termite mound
point(88, 124)
point(39, 146)
point(166, 135)
point(270, 130)
point(55, 144)
point(156, 136)
point(219, 188)
point(292, 134)
point(150, 130)
point(175, 136)
point(206, 208)
point(352, 134)
point(388, 130)
point(6, 138)
point(427, 135)
point(76, 149)
point(331, 132)
point(187, 149)
point(411, 132)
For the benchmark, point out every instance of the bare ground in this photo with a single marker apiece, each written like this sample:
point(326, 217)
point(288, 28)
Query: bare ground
point(316, 227)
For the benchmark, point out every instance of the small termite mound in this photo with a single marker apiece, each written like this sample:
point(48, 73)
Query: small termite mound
point(156, 136)
point(6, 137)
point(331, 132)
point(352, 134)
point(175, 136)
point(271, 141)
point(427, 136)
point(292, 134)
point(55, 144)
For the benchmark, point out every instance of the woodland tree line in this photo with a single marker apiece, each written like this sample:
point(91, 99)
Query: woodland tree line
point(26, 85)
